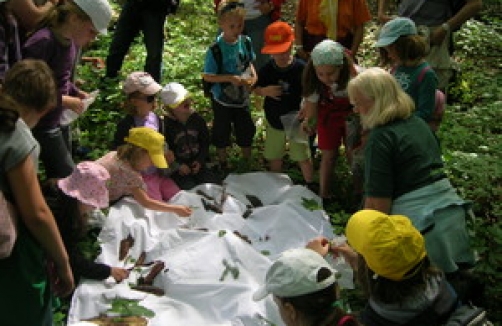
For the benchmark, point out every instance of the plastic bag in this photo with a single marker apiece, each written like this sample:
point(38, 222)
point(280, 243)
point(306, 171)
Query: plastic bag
point(69, 116)
point(293, 129)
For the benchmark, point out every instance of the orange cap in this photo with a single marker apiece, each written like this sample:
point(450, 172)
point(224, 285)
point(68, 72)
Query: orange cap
point(279, 37)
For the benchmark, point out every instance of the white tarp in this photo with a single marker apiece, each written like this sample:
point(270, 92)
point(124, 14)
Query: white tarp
point(196, 249)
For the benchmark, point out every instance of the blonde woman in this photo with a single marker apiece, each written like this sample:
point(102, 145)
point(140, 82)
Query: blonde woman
point(404, 173)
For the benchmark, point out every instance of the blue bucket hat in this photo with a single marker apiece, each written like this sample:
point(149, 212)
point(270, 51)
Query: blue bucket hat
point(393, 29)
point(327, 52)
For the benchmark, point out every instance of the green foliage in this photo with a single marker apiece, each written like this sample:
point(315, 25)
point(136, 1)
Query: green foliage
point(128, 308)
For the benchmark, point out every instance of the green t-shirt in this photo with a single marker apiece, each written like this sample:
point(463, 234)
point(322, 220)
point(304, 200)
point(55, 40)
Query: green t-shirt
point(400, 157)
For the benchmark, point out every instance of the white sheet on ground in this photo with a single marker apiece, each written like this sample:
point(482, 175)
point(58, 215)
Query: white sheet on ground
point(194, 249)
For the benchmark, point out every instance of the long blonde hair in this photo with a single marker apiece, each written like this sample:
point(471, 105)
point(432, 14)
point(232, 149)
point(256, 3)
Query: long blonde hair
point(390, 101)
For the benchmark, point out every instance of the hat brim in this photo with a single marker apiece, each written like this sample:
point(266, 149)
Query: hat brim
point(276, 48)
point(64, 185)
point(385, 41)
point(158, 159)
point(261, 293)
point(179, 100)
point(151, 89)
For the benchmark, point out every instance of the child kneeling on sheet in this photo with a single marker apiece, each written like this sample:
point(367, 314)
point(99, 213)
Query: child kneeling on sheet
point(188, 137)
point(305, 290)
point(144, 147)
point(71, 201)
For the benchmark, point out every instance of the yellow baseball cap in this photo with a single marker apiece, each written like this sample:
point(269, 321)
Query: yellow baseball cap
point(150, 140)
point(390, 244)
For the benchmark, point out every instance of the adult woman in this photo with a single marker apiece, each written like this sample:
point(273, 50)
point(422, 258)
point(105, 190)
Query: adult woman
point(29, 92)
point(389, 256)
point(404, 172)
point(305, 290)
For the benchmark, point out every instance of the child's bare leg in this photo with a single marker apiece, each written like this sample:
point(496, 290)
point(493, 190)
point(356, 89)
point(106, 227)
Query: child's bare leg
point(275, 165)
point(307, 170)
point(325, 173)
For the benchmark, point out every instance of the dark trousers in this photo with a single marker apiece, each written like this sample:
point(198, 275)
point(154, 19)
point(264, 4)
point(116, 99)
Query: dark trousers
point(136, 17)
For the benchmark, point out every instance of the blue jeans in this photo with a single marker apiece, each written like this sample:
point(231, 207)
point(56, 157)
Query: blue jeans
point(137, 17)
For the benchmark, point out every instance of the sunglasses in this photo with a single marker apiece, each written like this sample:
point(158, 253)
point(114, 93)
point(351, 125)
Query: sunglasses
point(148, 99)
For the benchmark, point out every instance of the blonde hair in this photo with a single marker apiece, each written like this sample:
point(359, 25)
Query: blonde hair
point(131, 154)
point(59, 14)
point(230, 7)
point(390, 101)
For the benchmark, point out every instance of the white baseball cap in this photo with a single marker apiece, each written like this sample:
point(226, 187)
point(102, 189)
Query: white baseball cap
point(99, 11)
point(173, 94)
point(294, 273)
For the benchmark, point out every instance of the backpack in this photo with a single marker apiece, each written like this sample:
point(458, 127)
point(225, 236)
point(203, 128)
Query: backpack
point(439, 104)
point(218, 57)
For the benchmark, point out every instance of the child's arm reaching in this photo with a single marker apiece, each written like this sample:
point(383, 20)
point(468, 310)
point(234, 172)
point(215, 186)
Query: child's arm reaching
point(144, 200)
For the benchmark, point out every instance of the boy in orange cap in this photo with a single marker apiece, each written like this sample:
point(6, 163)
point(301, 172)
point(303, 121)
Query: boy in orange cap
point(279, 81)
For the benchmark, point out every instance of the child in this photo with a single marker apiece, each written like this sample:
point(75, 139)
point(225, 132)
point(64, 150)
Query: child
point(70, 26)
point(305, 290)
point(317, 20)
point(324, 89)
point(280, 82)
point(144, 147)
point(141, 90)
point(188, 136)
point(406, 50)
point(71, 202)
point(232, 81)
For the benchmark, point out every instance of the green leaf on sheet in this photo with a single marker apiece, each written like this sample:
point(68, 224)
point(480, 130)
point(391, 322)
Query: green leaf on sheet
point(311, 204)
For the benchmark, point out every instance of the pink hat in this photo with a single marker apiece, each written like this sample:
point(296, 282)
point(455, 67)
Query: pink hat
point(140, 81)
point(87, 183)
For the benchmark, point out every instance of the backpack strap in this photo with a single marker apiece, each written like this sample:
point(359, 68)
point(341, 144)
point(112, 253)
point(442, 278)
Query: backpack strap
point(218, 57)
point(422, 72)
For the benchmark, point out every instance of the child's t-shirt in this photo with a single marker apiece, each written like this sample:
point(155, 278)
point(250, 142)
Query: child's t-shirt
point(123, 178)
point(236, 59)
point(290, 79)
point(422, 92)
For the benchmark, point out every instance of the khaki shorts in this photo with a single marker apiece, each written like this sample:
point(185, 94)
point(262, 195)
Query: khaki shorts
point(275, 146)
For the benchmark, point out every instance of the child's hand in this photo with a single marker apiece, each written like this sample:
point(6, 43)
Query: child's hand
point(321, 245)
point(183, 211)
point(119, 274)
point(73, 103)
point(196, 167)
point(308, 126)
point(184, 169)
point(169, 155)
point(273, 91)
